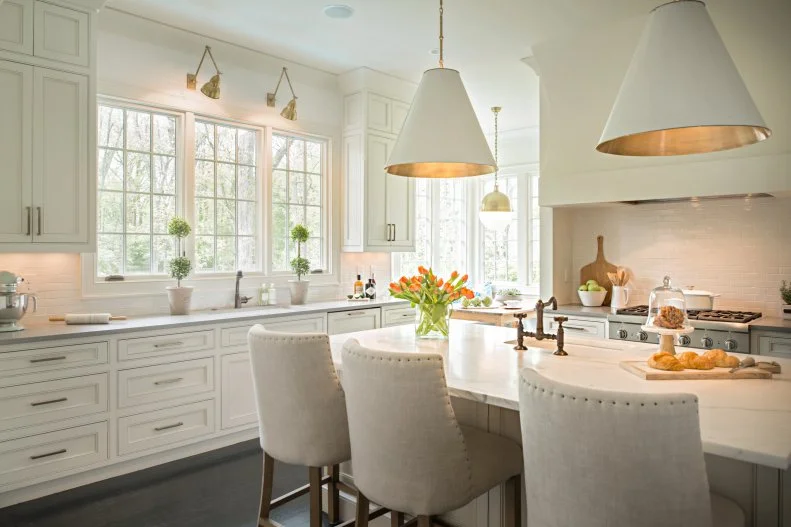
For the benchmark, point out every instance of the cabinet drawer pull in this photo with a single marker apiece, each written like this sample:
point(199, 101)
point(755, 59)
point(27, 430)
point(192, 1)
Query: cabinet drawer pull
point(355, 313)
point(168, 427)
point(408, 315)
point(29, 221)
point(48, 359)
point(51, 401)
point(169, 344)
point(49, 454)
point(575, 328)
point(169, 381)
point(38, 212)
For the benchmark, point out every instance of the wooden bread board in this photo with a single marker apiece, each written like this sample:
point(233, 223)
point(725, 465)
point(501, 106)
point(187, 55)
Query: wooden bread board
point(598, 271)
point(644, 371)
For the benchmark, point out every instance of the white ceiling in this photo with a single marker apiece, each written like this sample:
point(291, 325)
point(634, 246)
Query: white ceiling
point(484, 39)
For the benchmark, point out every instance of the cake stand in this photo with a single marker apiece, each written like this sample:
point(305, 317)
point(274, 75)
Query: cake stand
point(667, 337)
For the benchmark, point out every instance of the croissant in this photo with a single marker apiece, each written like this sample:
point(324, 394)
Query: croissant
point(721, 359)
point(665, 361)
point(693, 361)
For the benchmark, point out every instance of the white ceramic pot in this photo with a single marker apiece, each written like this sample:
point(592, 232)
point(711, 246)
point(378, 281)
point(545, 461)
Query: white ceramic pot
point(620, 297)
point(299, 291)
point(699, 300)
point(786, 311)
point(180, 299)
point(592, 298)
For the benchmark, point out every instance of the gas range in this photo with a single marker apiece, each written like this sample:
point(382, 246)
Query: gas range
point(727, 330)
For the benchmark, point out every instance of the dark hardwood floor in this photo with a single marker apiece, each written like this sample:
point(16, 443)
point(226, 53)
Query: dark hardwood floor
point(217, 489)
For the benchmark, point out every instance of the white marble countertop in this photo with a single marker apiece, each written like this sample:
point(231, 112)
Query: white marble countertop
point(772, 324)
point(748, 420)
point(40, 331)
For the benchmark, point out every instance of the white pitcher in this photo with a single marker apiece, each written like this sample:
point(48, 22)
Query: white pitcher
point(620, 297)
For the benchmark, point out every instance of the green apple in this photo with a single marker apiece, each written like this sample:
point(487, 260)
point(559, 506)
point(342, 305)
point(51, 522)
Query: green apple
point(583, 287)
point(465, 302)
point(487, 301)
point(475, 302)
point(592, 282)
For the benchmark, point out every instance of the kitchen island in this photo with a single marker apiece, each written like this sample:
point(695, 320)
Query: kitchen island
point(745, 424)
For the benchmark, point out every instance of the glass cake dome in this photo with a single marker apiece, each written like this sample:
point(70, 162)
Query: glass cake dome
point(667, 308)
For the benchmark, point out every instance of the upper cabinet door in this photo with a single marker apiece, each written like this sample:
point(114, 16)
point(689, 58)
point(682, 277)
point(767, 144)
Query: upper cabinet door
point(61, 34)
point(16, 26)
point(60, 157)
point(401, 211)
point(378, 230)
point(380, 116)
point(400, 111)
point(16, 89)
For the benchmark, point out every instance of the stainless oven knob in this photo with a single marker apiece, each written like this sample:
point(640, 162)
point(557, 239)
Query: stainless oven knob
point(684, 340)
point(623, 334)
point(707, 342)
point(731, 345)
point(643, 336)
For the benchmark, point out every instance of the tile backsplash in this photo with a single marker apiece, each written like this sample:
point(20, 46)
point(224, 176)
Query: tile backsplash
point(739, 248)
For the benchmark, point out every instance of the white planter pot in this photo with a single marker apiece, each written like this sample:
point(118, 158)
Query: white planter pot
point(299, 291)
point(786, 311)
point(179, 299)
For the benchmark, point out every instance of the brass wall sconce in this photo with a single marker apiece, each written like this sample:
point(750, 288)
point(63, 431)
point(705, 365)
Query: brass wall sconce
point(290, 111)
point(212, 88)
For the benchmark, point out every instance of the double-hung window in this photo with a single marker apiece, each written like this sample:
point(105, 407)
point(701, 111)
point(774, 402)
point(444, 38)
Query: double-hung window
point(137, 190)
point(226, 198)
point(298, 188)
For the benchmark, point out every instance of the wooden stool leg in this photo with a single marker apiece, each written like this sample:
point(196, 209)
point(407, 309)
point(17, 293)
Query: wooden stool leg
point(361, 518)
point(334, 500)
point(266, 491)
point(314, 478)
point(424, 521)
point(396, 519)
point(512, 515)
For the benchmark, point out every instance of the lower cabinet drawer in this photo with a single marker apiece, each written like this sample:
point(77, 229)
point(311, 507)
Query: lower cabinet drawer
point(165, 381)
point(578, 327)
point(53, 358)
point(165, 427)
point(353, 320)
point(143, 347)
point(48, 454)
point(42, 402)
point(398, 317)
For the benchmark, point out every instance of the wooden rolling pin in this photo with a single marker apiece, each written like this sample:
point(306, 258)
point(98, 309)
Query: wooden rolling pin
point(86, 318)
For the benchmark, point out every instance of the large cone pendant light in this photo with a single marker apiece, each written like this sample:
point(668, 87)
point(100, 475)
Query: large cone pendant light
point(496, 210)
point(441, 137)
point(682, 93)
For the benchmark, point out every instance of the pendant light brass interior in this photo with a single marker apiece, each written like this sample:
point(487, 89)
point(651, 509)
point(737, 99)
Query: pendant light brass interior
point(682, 93)
point(496, 212)
point(441, 136)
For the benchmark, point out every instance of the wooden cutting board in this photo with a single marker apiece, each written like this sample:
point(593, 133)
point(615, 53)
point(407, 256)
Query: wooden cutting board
point(644, 371)
point(598, 270)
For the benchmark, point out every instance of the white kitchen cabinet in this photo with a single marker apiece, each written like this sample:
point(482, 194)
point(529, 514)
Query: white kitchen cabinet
point(587, 327)
point(302, 324)
point(165, 382)
point(169, 426)
point(397, 316)
point(61, 34)
point(771, 344)
point(353, 320)
point(379, 209)
point(16, 152)
point(60, 157)
point(16, 26)
point(238, 395)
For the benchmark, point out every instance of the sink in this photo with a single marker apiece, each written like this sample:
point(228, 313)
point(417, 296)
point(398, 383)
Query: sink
point(533, 343)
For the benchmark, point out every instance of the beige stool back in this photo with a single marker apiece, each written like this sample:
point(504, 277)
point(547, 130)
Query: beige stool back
point(408, 450)
point(599, 458)
point(301, 407)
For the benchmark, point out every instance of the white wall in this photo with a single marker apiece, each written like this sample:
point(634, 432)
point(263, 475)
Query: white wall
point(580, 78)
point(738, 248)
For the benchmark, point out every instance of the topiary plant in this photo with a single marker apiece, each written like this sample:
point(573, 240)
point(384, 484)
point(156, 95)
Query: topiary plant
point(300, 265)
point(180, 266)
point(785, 292)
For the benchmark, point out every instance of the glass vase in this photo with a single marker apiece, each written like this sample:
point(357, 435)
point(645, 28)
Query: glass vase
point(432, 321)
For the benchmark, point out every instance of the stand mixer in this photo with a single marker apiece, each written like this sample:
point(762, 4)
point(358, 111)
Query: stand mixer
point(13, 304)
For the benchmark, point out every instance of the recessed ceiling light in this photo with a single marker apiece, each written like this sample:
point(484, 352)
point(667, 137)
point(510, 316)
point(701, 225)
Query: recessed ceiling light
point(338, 11)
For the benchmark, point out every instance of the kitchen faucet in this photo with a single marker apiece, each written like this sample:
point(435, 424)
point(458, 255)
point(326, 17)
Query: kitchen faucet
point(539, 333)
point(237, 299)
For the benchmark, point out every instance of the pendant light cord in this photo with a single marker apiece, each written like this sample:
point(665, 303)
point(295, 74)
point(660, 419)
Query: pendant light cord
point(496, 111)
point(441, 36)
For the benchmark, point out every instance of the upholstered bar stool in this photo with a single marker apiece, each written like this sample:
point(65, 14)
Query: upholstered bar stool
point(301, 415)
point(600, 458)
point(410, 454)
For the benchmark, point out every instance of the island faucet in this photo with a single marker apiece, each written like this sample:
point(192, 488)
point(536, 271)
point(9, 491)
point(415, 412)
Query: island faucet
point(539, 333)
point(238, 300)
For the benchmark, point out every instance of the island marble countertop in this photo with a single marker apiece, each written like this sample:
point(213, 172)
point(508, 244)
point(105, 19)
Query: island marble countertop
point(40, 331)
point(747, 420)
point(771, 324)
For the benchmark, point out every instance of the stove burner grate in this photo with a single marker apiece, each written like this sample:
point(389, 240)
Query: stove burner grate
point(715, 316)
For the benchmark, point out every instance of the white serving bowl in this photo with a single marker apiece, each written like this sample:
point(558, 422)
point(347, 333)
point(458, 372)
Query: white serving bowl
point(592, 298)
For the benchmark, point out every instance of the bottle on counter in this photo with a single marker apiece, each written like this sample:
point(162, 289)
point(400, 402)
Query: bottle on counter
point(272, 295)
point(263, 295)
point(370, 288)
point(358, 287)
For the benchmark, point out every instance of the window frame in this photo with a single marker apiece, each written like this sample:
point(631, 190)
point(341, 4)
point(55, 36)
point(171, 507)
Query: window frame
point(94, 286)
point(326, 211)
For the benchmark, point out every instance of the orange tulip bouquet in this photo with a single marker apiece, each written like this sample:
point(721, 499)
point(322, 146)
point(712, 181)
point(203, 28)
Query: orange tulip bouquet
point(433, 297)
